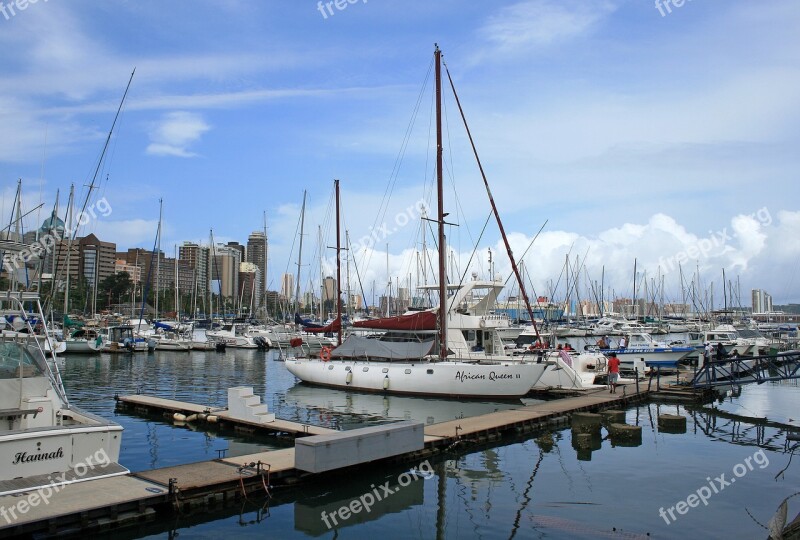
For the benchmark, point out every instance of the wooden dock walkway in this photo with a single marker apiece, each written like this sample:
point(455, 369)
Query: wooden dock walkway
point(168, 406)
point(109, 503)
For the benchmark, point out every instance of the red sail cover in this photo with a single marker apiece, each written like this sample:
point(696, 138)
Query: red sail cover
point(335, 326)
point(423, 320)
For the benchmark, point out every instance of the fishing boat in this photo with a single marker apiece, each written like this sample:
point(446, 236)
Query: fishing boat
point(44, 441)
point(451, 350)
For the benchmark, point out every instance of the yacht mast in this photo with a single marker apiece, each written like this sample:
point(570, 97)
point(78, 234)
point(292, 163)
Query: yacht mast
point(441, 215)
point(177, 308)
point(322, 291)
point(158, 254)
point(266, 263)
point(300, 254)
point(349, 294)
point(68, 227)
point(338, 269)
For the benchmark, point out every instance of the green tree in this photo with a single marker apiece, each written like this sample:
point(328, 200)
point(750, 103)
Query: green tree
point(112, 288)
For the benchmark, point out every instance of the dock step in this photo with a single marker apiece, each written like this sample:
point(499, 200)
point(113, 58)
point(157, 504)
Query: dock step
point(246, 406)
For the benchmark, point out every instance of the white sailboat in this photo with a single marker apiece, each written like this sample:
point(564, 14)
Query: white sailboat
point(423, 353)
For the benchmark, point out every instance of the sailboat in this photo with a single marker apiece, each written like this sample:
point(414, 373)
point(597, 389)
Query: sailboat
point(427, 352)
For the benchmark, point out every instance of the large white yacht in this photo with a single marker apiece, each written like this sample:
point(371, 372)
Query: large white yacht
point(404, 358)
point(43, 439)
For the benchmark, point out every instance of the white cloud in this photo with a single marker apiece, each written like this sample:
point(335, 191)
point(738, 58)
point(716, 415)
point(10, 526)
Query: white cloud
point(537, 23)
point(175, 133)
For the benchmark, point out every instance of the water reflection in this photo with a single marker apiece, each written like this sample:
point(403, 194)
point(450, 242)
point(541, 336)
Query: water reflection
point(366, 409)
point(540, 486)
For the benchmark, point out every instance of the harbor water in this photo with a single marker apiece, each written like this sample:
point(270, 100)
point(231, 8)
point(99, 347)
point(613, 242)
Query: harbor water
point(723, 478)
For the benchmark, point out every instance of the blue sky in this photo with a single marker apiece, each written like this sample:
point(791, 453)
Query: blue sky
point(634, 135)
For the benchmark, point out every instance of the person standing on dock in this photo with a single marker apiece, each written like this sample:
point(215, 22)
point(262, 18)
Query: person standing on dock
point(721, 352)
point(613, 372)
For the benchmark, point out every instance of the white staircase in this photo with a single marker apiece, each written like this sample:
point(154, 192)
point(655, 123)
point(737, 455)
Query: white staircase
point(246, 406)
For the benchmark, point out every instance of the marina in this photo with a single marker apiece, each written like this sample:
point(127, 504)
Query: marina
point(231, 479)
point(215, 483)
point(364, 270)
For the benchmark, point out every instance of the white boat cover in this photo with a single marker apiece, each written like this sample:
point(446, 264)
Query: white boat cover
point(361, 347)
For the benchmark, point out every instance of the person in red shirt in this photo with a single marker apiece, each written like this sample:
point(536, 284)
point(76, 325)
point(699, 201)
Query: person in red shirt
point(613, 372)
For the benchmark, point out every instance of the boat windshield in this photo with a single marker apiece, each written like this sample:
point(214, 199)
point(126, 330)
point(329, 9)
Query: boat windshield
point(16, 361)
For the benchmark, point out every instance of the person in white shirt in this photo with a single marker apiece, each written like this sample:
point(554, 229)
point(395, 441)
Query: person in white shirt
point(622, 342)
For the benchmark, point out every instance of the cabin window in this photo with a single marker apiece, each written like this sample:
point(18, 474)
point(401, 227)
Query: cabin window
point(16, 361)
point(385, 370)
point(408, 372)
point(330, 366)
point(430, 372)
point(469, 335)
point(347, 368)
point(365, 369)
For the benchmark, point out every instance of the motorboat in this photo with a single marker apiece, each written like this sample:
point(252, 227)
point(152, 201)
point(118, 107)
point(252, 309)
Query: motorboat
point(45, 441)
point(238, 335)
point(642, 346)
point(121, 339)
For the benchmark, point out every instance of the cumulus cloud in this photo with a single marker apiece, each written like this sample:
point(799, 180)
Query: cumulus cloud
point(175, 133)
point(757, 251)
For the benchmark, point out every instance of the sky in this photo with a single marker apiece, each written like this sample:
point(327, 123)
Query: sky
point(628, 133)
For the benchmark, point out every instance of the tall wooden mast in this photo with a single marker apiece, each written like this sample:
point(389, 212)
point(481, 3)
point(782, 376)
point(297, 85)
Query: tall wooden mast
point(441, 214)
point(338, 269)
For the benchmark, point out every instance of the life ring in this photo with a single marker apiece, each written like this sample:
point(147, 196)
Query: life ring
point(482, 323)
point(325, 354)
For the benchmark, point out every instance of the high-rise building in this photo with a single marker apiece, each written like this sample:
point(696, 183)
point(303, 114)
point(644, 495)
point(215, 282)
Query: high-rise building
point(257, 246)
point(762, 302)
point(287, 286)
point(97, 258)
point(240, 248)
point(198, 258)
point(135, 272)
point(250, 286)
point(329, 293)
point(226, 269)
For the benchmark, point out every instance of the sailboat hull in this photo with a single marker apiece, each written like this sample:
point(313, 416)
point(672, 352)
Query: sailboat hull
point(447, 379)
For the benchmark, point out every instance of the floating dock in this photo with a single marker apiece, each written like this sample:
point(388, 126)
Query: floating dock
point(109, 503)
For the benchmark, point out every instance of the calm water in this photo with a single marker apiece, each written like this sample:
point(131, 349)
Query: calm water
point(539, 487)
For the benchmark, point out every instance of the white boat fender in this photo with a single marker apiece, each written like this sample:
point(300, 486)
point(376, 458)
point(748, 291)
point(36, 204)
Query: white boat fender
point(191, 418)
point(202, 417)
point(178, 417)
point(386, 382)
point(212, 418)
point(349, 377)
